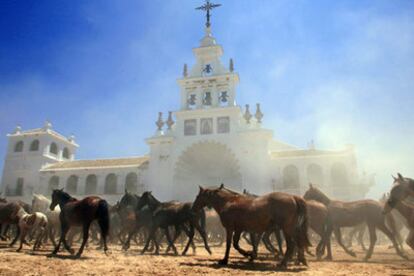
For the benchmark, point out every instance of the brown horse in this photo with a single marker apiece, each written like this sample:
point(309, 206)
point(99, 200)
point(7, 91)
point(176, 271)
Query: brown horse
point(239, 213)
point(9, 216)
point(318, 220)
point(80, 213)
point(396, 200)
point(347, 214)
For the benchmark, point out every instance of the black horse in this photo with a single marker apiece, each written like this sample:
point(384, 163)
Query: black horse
point(80, 213)
point(173, 213)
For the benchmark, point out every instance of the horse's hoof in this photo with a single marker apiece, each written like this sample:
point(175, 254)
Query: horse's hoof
point(281, 266)
point(78, 255)
point(352, 253)
point(328, 258)
point(223, 262)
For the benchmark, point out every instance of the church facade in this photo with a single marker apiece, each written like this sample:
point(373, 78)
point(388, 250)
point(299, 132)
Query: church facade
point(209, 140)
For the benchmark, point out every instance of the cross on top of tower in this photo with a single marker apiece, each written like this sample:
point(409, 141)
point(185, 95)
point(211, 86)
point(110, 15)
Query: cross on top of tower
point(208, 7)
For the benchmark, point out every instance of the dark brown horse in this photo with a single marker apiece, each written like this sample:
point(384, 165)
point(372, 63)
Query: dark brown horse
point(80, 213)
point(173, 213)
point(396, 200)
point(347, 214)
point(9, 216)
point(239, 213)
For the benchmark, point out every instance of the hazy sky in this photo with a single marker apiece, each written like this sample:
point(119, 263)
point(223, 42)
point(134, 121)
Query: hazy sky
point(337, 72)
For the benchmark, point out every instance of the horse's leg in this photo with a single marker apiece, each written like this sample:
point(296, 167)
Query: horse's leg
point(256, 239)
point(151, 237)
point(372, 241)
point(236, 239)
point(338, 235)
point(410, 239)
point(361, 239)
point(52, 235)
point(190, 238)
point(390, 235)
point(203, 235)
point(268, 244)
point(85, 239)
point(176, 235)
point(229, 237)
point(23, 233)
point(290, 247)
point(16, 237)
point(170, 243)
point(64, 229)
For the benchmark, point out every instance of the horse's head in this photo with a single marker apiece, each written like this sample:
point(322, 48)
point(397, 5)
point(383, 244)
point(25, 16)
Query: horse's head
point(146, 199)
point(398, 193)
point(127, 200)
point(202, 200)
point(314, 193)
point(56, 198)
point(207, 196)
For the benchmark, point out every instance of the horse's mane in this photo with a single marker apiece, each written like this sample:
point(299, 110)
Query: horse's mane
point(320, 194)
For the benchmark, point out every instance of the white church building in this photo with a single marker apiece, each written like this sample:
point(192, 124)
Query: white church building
point(209, 140)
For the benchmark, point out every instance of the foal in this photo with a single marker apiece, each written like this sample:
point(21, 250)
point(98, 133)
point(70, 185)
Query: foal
point(80, 213)
point(36, 223)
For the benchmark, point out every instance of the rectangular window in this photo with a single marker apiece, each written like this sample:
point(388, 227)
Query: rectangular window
point(206, 126)
point(223, 125)
point(190, 127)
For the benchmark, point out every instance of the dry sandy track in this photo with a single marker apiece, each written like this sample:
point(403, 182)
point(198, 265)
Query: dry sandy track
point(93, 262)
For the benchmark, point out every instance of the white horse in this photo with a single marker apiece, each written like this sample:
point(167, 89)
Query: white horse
point(40, 203)
point(36, 223)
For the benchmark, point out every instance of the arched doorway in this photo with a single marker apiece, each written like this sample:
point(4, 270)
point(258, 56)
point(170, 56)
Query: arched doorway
point(291, 179)
point(205, 164)
point(315, 174)
point(72, 184)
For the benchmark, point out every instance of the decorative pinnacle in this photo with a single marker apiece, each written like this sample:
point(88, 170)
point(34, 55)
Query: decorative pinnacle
point(170, 121)
point(247, 115)
point(159, 123)
point(208, 7)
point(259, 114)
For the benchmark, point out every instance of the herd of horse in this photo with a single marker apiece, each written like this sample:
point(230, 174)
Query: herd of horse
point(218, 214)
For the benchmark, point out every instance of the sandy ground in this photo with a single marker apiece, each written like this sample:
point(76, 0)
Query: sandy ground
point(94, 262)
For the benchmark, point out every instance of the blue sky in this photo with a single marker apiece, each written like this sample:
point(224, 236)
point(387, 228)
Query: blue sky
point(337, 72)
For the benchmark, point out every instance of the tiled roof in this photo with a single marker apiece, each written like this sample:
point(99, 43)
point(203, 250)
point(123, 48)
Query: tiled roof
point(98, 163)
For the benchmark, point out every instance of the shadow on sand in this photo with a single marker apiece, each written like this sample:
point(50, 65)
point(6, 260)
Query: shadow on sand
point(242, 265)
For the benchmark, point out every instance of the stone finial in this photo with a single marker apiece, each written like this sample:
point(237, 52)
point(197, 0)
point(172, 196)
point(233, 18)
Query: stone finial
point(47, 125)
point(71, 138)
point(258, 115)
point(159, 123)
point(231, 65)
point(18, 129)
point(185, 70)
point(247, 115)
point(170, 121)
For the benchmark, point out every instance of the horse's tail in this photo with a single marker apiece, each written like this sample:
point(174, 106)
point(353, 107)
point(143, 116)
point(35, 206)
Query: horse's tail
point(301, 233)
point(103, 219)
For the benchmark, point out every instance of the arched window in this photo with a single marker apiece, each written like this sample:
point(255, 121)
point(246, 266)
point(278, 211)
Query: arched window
point(65, 153)
point(19, 146)
point(53, 148)
point(72, 184)
point(291, 177)
point(131, 183)
point(339, 175)
point(34, 146)
point(110, 184)
point(53, 184)
point(315, 175)
point(91, 184)
point(19, 186)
